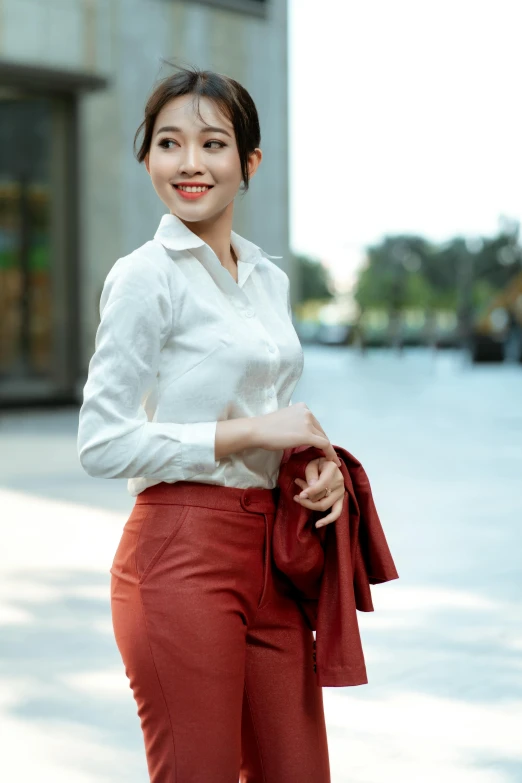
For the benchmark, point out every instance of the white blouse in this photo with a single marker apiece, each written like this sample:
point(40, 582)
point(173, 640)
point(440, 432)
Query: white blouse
point(181, 346)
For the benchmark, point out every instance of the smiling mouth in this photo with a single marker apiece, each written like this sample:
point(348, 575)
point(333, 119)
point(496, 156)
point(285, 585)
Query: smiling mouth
point(193, 189)
point(192, 194)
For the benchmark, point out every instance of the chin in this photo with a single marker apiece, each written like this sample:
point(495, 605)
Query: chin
point(192, 215)
point(197, 214)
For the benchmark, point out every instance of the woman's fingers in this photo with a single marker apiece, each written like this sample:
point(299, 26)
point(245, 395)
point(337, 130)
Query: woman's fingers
point(334, 514)
point(305, 487)
point(316, 483)
point(319, 505)
point(312, 470)
point(327, 448)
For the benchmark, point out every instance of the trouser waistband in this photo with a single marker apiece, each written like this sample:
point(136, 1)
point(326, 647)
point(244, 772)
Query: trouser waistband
point(195, 493)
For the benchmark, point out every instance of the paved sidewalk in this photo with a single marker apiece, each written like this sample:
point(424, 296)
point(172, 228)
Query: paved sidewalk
point(442, 444)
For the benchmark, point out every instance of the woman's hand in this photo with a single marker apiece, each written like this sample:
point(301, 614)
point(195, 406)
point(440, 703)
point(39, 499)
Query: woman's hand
point(320, 474)
point(285, 428)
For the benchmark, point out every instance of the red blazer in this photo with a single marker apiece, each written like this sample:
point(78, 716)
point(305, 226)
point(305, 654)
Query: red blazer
point(331, 568)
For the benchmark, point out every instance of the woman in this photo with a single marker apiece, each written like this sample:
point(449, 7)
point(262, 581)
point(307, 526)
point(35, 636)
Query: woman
point(188, 397)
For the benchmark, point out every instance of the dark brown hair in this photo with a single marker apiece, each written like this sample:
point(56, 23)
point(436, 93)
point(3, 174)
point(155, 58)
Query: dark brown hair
point(229, 96)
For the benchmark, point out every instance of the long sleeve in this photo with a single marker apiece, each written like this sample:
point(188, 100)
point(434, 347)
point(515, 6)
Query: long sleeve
point(289, 308)
point(115, 437)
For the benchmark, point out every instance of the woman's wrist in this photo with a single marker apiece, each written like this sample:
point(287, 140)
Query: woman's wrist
point(233, 435)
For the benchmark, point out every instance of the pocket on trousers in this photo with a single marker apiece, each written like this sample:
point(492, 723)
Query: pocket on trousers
point(160, 526)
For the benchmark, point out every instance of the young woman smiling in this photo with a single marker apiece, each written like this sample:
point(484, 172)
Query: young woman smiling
point(188, 396)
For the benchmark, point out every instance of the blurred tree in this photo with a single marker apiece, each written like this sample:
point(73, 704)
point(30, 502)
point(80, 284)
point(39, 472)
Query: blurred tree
point(385, 281)
point(418, 291)
point(497, 259)
point(314, 279)
point(460, 275)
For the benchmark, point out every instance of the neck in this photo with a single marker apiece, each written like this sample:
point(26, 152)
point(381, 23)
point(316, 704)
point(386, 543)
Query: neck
point(216, 232)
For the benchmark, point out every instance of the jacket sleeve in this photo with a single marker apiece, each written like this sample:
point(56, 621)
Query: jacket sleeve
point(115, 437)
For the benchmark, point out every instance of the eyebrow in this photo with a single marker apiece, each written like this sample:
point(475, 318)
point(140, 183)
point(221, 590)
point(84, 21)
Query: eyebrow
point(209, 129)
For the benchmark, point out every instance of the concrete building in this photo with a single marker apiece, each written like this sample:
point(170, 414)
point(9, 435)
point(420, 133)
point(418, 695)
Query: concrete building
point(74, 77)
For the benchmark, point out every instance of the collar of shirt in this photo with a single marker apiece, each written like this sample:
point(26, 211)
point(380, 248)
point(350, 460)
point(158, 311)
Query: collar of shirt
point(175, 235)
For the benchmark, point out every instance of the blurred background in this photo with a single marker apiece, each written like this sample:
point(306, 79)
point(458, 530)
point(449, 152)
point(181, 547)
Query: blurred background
point(390, 184)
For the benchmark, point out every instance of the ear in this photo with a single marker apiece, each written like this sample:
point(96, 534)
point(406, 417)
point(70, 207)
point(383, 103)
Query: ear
point(146, 161)
point(254, 159)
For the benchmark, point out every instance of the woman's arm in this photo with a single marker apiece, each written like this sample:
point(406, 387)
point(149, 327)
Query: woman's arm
point(235, 435)
point(115, 438)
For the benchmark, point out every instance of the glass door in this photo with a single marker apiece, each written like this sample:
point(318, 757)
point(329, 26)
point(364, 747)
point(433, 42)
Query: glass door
point(35, 284)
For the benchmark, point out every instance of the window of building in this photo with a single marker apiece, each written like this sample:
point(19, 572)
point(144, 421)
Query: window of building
point(33, 304)
point(39, 263)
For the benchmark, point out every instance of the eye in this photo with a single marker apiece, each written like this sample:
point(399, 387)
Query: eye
point(164, 142)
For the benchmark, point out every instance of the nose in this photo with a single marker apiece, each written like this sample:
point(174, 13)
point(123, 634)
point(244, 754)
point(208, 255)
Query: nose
point(190, 162)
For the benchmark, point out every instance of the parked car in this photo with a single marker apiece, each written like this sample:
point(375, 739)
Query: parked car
point(334, 334)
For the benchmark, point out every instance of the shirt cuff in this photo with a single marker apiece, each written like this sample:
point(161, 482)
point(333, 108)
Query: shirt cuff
point(198, 442)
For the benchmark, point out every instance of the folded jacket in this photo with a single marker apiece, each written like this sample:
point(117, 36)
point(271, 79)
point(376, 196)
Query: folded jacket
point(330, 569)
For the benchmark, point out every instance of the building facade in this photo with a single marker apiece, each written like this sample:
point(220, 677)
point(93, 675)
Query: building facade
point(74, 77)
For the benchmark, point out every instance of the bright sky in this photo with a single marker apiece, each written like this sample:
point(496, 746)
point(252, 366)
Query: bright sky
point(405, 116)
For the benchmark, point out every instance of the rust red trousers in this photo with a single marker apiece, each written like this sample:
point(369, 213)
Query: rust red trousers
point(218, 654)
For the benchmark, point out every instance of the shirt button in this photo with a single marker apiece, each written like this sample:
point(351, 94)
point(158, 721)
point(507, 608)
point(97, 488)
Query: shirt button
point(249, 312)
point(271, 392)
point(199, 466)
point(271, 348)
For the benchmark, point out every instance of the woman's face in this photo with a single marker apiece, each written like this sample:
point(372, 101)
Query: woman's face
point(184, 150)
